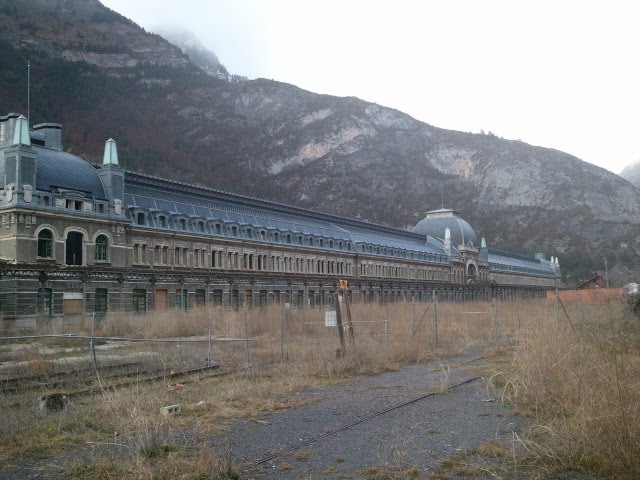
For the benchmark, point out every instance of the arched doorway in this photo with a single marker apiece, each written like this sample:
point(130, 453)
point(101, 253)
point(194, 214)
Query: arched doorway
point(74, 248)
point(471, 271)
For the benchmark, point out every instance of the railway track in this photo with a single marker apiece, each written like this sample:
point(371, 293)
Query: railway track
point(92, 380)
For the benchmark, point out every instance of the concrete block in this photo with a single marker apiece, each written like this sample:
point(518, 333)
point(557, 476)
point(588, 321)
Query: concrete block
point(171, 410)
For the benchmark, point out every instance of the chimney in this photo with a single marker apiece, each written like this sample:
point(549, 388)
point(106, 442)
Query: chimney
point(52, 134)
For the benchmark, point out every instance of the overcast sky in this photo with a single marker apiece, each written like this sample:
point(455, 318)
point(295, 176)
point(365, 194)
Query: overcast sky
point(561, 74)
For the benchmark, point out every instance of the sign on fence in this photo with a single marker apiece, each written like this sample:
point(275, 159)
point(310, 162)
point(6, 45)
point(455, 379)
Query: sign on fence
point(330, 318)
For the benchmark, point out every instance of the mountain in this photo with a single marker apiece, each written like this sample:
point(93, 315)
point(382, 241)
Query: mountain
point(102, 76)
point(632, 173)
point(200, 55)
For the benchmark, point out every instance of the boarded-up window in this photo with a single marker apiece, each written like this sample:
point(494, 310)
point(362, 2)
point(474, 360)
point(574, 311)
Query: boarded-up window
point(160, 299)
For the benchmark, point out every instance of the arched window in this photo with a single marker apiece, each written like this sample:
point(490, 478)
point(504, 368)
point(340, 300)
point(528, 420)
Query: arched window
point(471, 270)
point(102, 246)
point(45, 243)
point(183, 224)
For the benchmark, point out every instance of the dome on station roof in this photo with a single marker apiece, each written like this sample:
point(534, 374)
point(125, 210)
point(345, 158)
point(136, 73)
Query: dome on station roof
point(437, 221)
point(58, 169)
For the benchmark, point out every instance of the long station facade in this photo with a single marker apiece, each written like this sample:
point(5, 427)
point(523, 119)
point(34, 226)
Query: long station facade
point(78, 238)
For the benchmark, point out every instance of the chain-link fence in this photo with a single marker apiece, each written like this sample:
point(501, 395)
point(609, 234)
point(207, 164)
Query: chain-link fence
point(174, 342)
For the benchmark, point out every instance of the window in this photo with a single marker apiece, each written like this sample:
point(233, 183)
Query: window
point(74, 204)
point(45, 243)
point(162, 220)
point(140, 218)
point(181, 298)
point(263, 235)
point(276, 237)
point(101, 208)
point(218, 229)
point(183, 224)
point(102, 245)
point(200, 297)
point(234, 231)
point(249, 233)
point(216, 297)
point(288, 238)
point(139, 300)
point(44, 301)
point(201, 226)
point(46, 200)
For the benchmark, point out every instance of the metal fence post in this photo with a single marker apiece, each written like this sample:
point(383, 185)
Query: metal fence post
point(246, 336)
point(386, 326)
point(209, 347)
point(494, 314)
point(92, 348)
point(343, 350)
point(413, 315)
point(282, 337)
point(435, 315)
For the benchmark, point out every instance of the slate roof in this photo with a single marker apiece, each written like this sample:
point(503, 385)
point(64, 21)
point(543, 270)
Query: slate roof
point(57, 169)
point(155, 194)
point(436, 221)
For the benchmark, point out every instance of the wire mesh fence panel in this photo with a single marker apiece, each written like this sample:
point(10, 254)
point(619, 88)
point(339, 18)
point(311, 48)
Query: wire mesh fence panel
point(176, 340)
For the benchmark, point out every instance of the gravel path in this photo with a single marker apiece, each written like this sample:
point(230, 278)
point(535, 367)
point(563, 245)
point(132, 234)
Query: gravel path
point(420, 434)
point(311, 441)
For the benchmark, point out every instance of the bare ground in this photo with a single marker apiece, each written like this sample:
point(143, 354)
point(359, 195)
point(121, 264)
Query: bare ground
point(412, 423)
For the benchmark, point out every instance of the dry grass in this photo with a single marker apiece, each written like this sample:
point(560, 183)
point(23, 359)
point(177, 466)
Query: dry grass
point(580, 379)
point(195, 463)
point(390, 337)
point(390, 473)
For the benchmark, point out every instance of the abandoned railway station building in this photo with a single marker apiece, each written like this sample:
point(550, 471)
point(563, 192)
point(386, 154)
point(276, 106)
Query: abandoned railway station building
point(81, 238)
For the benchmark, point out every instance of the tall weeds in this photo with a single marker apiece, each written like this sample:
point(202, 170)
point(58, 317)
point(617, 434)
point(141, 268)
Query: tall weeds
point(579, 376)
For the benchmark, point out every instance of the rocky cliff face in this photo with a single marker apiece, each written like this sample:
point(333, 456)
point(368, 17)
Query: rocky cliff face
point(632, 173)
point(103, 76)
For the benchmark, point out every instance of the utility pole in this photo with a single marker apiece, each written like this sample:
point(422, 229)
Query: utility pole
point(343, 349)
